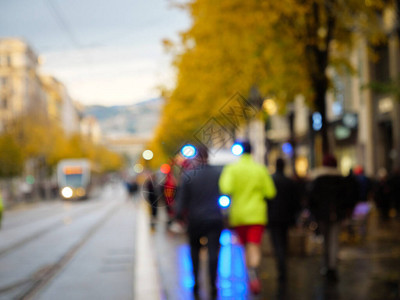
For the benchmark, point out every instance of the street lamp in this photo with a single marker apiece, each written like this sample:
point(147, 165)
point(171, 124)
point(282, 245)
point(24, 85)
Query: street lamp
point(189, 151)
point(138, 168)
point(147, 154)
point(270, 107)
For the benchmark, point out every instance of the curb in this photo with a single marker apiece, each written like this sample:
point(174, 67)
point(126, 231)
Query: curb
point(146, 277)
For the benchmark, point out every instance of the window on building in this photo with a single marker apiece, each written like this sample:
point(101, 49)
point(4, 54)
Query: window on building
point(398, 16)
point(3, 81)
point(3, 102)
point(5, 60)
point(380, 69)
point(339, 93)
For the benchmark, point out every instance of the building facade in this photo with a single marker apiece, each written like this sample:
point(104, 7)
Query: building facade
point(90, 129)
point(363, 112)
point(25, 92)
point(20, 87)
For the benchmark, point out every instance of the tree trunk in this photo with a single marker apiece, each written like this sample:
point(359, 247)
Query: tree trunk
point(321, 87)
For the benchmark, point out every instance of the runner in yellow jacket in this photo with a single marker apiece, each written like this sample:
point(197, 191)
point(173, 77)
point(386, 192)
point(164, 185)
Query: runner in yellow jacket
point(249, 184)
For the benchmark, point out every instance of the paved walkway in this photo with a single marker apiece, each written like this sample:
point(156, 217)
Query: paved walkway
point(146, 275)
point(368, 269)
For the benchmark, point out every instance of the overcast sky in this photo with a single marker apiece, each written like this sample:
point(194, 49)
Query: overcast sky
point(106, 52)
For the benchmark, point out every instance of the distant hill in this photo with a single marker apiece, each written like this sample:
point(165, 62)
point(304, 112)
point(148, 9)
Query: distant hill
point(139, 119)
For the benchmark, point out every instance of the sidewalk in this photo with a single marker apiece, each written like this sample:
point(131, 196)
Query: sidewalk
point(174, 264)
point(146, 283)
point(367, 270)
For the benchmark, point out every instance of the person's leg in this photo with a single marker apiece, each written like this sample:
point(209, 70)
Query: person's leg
point(282, 250)
point(194, 241)
point(154, 210)
point(333, 245)
point(279, 241)
point(253, 256)
point(253, 245)
point(274, 234)
point(213, 252)
point(253, 260)
point(325, 233)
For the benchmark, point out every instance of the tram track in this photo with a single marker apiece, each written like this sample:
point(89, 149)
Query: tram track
point(44, 210)
point(49, 228)
point(30, 286)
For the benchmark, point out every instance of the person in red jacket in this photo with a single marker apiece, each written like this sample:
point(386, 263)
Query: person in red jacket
point(169, 191)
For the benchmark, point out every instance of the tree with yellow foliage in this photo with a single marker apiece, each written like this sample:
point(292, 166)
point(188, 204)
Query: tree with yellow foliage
point(11, 159)
point(37, 137)
point(281, 48)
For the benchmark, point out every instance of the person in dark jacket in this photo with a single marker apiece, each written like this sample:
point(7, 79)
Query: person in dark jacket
point(364, 183)
point(330, 204)
point(394, 185)
point(382, 195)
point(152, 197)
point(281, 214)
point(197, 199)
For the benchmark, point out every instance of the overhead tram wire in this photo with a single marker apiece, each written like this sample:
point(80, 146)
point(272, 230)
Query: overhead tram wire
point(54, 10)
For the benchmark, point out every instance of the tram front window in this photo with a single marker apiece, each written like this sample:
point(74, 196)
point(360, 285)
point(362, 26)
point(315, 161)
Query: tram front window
point(74, 180)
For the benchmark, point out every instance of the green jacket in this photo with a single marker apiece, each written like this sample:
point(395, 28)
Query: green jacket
point(248, 184)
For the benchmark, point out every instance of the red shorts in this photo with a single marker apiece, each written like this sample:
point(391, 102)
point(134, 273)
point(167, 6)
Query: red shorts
point(250, 233)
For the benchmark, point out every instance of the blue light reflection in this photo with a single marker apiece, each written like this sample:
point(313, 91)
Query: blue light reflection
point(232, 277)
point(231, 269)
point(185, 267)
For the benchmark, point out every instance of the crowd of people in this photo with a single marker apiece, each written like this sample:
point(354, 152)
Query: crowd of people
point(260, 201)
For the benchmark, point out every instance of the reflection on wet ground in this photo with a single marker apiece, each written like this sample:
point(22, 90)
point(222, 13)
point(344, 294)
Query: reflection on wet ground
point(368, 269)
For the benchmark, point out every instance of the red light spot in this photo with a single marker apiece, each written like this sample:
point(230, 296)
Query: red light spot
point(165, 168)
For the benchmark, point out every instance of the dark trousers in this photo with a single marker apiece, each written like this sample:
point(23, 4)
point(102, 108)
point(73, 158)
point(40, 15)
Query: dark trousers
point(212, 231)
point(279, 236)
point(154, 209)
point(330, 231)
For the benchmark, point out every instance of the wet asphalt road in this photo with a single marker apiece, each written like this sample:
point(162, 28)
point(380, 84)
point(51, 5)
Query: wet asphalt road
point(69, 250)
point(86, 250)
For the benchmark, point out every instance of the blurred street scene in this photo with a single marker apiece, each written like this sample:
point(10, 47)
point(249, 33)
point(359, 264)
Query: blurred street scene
point(114, 133)
point(368, 269)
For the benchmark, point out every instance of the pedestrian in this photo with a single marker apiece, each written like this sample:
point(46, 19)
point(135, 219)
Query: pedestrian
point(248, 184)
point(353, 196)
point(168, 193)
point(363, 207)
point(131, 186)
point(382, 194)
point(282, 212)
point(394, 183)
point(197, 201)
point(151, 192)
point(364, 183)
point(1, 208)
point(330, 204)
